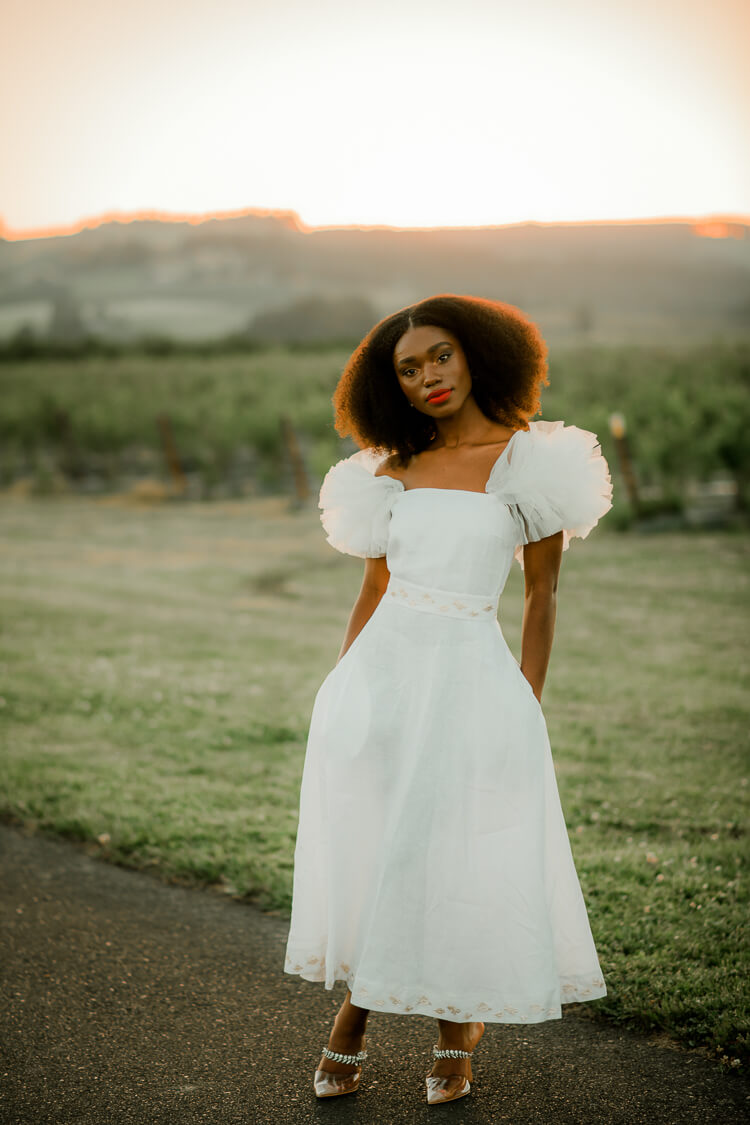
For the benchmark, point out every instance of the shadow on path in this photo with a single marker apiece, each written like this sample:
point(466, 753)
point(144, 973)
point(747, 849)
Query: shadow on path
point(125, 999)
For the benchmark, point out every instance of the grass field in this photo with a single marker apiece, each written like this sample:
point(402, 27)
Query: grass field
point(158, 667)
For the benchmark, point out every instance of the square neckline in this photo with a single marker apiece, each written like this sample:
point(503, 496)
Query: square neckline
point(465, 491)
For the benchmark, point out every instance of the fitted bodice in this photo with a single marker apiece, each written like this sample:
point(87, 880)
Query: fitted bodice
point(549, 478)
point(453, 540)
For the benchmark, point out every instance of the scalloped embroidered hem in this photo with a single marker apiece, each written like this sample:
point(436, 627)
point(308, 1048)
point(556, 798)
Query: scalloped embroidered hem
point(380, 999)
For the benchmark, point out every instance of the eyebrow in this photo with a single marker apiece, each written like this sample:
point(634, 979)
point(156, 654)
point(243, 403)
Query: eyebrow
point(430, 350)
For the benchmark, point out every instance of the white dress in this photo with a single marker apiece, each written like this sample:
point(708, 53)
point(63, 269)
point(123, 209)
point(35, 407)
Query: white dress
point(433, 871)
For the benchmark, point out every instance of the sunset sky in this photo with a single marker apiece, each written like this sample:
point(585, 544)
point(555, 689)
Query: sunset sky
point(434, 112)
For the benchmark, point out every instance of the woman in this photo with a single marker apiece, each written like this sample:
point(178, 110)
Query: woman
point(433, 871)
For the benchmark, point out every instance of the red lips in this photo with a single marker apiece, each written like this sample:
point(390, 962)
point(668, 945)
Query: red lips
point(439, 396)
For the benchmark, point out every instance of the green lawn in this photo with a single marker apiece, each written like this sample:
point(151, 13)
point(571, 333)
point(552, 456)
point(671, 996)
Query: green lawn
point(158, 667)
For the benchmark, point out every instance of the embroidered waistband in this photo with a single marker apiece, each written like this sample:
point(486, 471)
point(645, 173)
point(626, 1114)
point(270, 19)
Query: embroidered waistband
point(445, 603)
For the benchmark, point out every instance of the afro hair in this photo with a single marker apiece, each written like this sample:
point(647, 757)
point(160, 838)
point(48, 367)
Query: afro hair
point(505, 352)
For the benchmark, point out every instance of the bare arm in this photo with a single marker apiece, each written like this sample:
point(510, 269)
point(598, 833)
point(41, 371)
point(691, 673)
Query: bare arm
point(373, 587)
point(541, 568)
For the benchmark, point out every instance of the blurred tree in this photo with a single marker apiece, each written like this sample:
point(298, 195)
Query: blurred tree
point(313, 318)
point(22, 344)
point(583, 321)
point(66, 325)
point(721, 401)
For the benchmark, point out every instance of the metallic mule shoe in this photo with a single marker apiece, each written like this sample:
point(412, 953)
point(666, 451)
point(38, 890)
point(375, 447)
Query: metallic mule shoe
point(328, 1084)
point(438, 1087)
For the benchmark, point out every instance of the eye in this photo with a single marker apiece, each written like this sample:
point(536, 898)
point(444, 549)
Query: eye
point(407, 372)
point(444, 355)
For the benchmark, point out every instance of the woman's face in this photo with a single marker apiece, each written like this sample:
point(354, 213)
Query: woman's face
point(432, 370)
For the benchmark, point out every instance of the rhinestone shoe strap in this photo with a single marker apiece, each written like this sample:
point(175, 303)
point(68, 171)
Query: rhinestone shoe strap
point(351, 1060)
point(438, 1054)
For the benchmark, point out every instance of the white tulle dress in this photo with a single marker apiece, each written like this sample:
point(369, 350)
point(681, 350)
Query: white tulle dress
point(433, 871)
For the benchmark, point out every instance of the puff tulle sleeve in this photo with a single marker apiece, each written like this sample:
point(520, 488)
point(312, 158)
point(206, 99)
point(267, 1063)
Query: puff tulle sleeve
point(356, 505)
point(553, 478)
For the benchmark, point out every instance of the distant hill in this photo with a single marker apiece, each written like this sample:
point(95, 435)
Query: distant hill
point(651, 281)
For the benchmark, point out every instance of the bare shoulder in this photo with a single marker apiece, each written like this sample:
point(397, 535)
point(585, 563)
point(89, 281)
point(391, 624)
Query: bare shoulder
point(390, 466)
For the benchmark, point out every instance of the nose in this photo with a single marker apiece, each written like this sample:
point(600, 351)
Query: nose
point(430, 376)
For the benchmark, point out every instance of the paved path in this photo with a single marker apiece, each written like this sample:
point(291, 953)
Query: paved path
point(125, 1000)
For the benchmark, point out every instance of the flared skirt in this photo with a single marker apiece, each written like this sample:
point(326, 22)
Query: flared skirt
point(433, 871)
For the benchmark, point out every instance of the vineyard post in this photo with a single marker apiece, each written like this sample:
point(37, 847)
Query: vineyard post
point(622, 447)
point(299, 471)
point(69, 460)
point(171, 455)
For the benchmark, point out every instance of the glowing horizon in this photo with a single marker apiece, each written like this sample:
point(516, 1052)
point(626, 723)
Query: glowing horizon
point(707, 226)
point(416, 117)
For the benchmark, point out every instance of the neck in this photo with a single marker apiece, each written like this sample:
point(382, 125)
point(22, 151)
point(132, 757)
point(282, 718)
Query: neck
point(468, 426)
